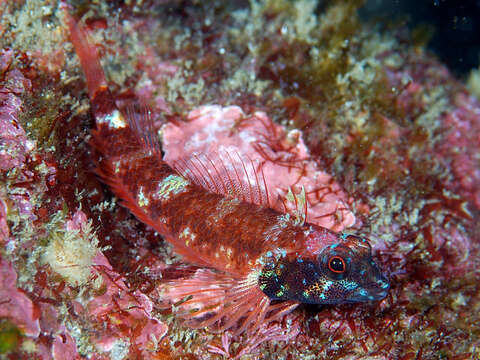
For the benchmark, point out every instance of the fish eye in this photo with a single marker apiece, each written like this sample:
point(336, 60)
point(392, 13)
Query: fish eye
point(336, 264)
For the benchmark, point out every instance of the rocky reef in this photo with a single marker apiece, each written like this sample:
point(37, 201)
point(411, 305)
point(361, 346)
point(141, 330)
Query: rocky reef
point(381, 135)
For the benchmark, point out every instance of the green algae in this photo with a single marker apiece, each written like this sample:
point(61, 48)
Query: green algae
point(9, 336)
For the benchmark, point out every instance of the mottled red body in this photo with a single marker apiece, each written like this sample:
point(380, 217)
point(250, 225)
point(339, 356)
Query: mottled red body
point(250, 253)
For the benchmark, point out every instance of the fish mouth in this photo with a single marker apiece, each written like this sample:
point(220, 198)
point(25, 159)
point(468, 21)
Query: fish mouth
point(374, 291)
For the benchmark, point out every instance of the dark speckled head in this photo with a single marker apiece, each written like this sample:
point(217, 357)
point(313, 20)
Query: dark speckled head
point(343, 272)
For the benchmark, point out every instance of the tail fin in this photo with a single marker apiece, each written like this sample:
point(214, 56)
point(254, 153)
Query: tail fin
point(88, 56)
point(102, 101)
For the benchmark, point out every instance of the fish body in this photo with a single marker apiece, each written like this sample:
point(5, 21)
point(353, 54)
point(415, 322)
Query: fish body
point(248, 253)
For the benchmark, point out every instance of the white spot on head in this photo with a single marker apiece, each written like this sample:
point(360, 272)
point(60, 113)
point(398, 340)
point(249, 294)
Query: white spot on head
point(284, 218)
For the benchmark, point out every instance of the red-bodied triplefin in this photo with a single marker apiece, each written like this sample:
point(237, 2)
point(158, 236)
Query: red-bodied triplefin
point(255, 263)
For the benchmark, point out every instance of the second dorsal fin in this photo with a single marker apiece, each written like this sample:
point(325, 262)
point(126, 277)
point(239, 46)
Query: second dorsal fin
point(227, 173)
point(296, 204)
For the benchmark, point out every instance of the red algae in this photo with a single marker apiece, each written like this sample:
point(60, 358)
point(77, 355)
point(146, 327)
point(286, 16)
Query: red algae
point(379, 120)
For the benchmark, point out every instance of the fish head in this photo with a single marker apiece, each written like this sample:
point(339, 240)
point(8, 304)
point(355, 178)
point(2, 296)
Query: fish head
point(341, 272)
point(347, 273)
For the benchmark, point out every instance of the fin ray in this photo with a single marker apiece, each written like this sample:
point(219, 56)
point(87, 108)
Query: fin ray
point(140, 120)
point(87, 53)
point(235, 178)
point(221, 301)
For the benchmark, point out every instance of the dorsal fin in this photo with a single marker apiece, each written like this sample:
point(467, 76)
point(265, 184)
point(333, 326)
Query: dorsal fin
point(296, 204)
point(227, 174)
point(141, 122)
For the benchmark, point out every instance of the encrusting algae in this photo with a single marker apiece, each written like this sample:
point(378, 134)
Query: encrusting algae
point(351, 122)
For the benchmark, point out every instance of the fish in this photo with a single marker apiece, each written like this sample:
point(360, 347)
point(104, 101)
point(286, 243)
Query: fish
point(253, 264)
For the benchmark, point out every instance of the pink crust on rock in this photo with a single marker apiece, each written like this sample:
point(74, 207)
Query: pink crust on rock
point(213, 130)
point(64, 347)
point(14, 304)
point(15, 145)
point(124, 311)
point(117, 317)
point(461, 144)
point(119, 308)
point(4, 231)
point(158, 72)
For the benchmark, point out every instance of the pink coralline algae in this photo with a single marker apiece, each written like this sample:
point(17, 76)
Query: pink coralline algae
point(270, 332)
point(457, 146)
point(16, 305)
point(123, 312)
point(126, 314)
point(113, 312)
point(461, 147)
point(381, 136)
point(282, 157)
point(14, 144)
